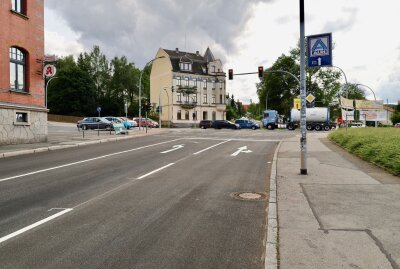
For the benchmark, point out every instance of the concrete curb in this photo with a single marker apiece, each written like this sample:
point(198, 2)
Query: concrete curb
point(271, 248)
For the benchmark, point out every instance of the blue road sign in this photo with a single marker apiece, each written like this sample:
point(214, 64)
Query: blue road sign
point(319, 50)
point(98, 109)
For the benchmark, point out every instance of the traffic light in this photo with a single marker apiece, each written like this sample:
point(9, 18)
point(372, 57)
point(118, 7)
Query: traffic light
point(260, 71)
point(230, 74)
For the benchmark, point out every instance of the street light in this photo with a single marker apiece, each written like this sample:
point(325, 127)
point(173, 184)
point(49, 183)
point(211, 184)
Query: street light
point(140, 89)
point(359, 84)
point(47, 84)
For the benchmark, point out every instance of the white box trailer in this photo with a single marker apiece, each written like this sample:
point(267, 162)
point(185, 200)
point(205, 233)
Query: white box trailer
point(317, 118)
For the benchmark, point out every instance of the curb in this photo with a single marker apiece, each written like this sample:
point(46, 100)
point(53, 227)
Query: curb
point(271, 248)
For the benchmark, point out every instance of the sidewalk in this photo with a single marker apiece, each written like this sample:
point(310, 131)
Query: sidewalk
point(66, 135)
point(343, 214)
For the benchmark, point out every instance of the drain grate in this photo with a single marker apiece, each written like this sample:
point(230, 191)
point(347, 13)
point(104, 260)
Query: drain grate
point(249, 196)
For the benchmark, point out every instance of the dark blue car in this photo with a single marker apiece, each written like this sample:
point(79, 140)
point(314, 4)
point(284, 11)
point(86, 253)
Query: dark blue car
point(247, 124)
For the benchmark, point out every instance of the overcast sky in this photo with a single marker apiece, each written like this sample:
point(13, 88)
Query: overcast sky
point(242, 33)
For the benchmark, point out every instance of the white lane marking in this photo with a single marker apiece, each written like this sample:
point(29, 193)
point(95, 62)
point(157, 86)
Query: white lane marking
point(176, 147)
point(30, 227)
point(88, 160)
point(242, 149)
point(155, 171)
point(211, 147)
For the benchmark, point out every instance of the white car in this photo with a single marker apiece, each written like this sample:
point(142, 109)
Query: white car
point(134, 123)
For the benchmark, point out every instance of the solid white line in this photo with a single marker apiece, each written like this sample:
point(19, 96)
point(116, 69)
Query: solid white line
point(88, 160)
point(155, 171)
point(210, 147)
point(27, 228)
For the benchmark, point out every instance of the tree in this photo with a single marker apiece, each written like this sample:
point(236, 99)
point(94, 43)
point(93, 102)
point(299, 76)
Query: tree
point(72, 93)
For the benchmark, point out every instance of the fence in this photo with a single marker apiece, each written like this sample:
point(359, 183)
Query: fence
point(62, 118)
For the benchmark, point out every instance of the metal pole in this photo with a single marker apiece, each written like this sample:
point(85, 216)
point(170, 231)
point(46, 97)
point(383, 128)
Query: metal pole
point(140, 89)
point(303, 139)
point(347, 89)
point(359, 84)
point(47, 84)
point(159, 109)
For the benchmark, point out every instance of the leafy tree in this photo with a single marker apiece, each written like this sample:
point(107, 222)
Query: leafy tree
point(72, 93)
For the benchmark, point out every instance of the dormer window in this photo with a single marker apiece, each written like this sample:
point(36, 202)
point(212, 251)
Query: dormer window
point(185, 66)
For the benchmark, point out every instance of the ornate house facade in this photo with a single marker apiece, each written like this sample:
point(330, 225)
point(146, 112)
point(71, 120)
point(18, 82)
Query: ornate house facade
point(188, 87)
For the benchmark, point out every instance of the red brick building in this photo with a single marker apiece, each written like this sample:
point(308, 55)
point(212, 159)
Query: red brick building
point(23, 115)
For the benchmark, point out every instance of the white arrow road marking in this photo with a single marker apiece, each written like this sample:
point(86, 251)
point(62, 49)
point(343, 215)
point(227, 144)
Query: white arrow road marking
point(242, 149)
point(173, 148)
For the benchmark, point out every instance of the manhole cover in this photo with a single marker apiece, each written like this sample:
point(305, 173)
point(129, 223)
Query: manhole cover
point(249, 196)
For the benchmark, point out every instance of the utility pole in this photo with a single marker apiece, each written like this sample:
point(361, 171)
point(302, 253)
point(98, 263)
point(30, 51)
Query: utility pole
point(303, 139)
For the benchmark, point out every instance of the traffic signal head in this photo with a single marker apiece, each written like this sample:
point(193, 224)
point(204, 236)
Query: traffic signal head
point(260, 71)
point(230, 74)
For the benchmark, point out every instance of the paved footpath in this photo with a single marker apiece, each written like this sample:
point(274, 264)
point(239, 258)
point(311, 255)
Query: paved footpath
point(343, 214)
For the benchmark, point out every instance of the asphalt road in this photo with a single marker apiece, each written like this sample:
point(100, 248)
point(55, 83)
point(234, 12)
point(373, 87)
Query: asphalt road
point(161, 201)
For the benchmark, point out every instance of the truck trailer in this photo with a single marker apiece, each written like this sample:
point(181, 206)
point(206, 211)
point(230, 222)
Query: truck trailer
point(317, 118)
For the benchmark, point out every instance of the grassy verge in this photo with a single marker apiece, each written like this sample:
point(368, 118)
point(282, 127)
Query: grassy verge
point(377, 145)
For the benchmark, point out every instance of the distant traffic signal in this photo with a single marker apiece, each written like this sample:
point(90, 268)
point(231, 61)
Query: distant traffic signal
point(260, 71)
point(230, 74)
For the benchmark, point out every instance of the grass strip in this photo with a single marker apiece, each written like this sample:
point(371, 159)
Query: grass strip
point(380, 146)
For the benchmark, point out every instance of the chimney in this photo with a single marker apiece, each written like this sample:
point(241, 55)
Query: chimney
point(197, 53)
point(177, 50)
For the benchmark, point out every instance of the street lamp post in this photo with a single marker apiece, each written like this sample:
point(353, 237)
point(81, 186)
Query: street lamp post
point(140, 88)
point(359, 84)
point(160, 110)
point(47, 84)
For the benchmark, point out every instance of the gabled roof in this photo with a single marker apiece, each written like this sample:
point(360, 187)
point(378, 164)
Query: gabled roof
point(199, 63)
point(208, 56)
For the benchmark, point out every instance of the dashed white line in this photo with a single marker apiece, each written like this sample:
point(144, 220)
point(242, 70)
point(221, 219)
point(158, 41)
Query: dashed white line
point(30, 227)
point(211, 147)
point(155, 171)
point(85, 161)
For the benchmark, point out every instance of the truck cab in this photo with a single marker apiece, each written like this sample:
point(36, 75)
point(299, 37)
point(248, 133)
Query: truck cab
point(270, 119)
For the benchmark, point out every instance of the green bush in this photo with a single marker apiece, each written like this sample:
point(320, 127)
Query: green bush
point(377, 145)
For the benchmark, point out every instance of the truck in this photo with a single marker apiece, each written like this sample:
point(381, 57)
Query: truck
point(317, 118)
point(270, 119)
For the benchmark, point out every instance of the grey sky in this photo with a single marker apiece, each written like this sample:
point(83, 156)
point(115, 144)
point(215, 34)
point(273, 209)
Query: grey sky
point(242, 33)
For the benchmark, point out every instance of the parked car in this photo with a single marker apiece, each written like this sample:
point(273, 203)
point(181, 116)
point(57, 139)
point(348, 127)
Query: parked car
point(204, 124)
point(247, 124)
point(397, 125)
point(145, 122)
point(94, 123)
point(224, 124)
point(132, 122)
point(126, 123)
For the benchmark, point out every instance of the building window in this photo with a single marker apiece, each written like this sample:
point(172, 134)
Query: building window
point(179, 115)
point(213, 68)
point(195, 82)
point(221, 84)
point(205, 115)
point(213, 98)
point(214, 115)
point(213, 85)
point(220, 99)
point(178, 81)
point(18, 6)
point(185, 66)
point(186, 115)
point(17, 69)
point(187, 81)
point(21, 118)
point(194, 115)
point(205, 84)
point(179, 97)
point(187, 98)
point(195, 98)
point(205, 98)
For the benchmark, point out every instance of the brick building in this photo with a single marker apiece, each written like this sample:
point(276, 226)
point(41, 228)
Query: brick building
point(23, 115)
